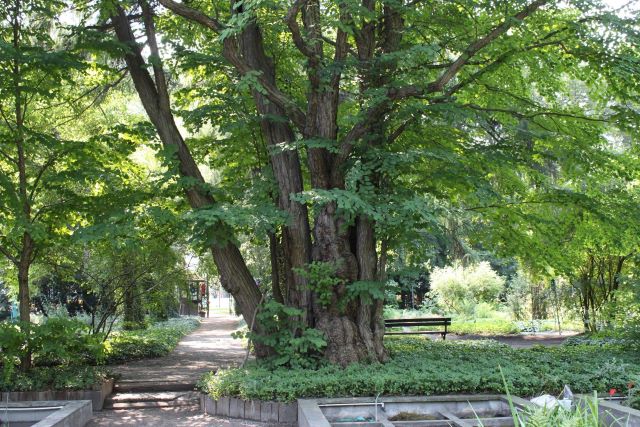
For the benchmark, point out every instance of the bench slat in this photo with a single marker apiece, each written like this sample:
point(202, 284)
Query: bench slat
point(417, 322)
point(440, 322)
point(416, 333)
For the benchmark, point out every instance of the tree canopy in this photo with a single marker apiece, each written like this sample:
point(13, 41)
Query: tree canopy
point(340, 136)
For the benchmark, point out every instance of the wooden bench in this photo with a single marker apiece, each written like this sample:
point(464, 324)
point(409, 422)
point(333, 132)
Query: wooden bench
point(424, 321)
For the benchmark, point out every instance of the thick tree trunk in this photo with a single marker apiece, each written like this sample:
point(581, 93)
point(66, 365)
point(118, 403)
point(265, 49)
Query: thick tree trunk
point(296, 243)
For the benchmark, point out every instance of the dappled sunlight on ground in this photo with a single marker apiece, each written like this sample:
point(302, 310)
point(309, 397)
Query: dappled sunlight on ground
point(168, 417)
point(207, 348)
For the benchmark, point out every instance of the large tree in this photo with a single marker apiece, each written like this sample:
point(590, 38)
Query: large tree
point(371, 111)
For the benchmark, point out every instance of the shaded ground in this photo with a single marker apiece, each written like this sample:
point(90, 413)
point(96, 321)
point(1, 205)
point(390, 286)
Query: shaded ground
point(168, 417)
point(520, 340)
point(207, 348)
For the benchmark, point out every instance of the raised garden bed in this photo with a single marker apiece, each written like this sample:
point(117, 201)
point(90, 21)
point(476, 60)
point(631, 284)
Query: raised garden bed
point(256, 410)
point(439, 411)
point(97, 395)
point(433, 411)
point(53, 413)
point(613, 413)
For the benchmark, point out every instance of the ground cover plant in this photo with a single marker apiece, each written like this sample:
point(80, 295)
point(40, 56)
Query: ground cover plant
point(67, 355)
point(419, 366)
point(75, 377)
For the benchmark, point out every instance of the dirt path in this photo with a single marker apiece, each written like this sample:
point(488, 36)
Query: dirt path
point(207, 348)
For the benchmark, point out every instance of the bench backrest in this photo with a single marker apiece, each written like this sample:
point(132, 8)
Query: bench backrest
point(424, 321)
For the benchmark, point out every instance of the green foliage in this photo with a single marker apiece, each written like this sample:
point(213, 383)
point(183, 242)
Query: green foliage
point(366, 290)
point(56, 342)
point(495, 326)
point(156, 341)
point(292, 343)
point(422, 367)
point(56, 378)
point(634, 396)
point(321, 278)
point(461, 288)
point(517, 296)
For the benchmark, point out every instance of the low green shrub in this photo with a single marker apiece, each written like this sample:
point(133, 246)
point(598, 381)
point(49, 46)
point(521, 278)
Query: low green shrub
point(55, 378)
point(56, 342)
point(422, 367)
point(292, 343)
point(155, 341)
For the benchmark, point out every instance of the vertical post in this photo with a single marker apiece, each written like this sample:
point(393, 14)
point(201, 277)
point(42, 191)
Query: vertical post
point(206, 278)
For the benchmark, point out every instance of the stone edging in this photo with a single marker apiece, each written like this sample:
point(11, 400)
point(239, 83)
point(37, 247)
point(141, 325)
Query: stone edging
point(256, 410)
point(96, 396)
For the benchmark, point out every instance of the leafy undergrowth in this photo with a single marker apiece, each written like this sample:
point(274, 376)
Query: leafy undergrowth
point(55, 378)
point(156, 341)
point(421, 367)
point(65, 353)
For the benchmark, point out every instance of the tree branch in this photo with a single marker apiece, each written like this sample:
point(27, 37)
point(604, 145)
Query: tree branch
point(50, 162)
point(418, 91)
point(292, 22)
point(532, 115)
point(8, 157)
point(156, 61)
point(4, 251)
point(231, 52)
point(478, 45)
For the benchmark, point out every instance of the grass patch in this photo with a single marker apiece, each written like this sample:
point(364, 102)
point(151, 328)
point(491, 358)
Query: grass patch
point(423, 367)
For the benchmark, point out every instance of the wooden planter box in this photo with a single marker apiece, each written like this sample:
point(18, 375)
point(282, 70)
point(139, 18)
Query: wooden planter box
point(97, 395)
point(256, 410)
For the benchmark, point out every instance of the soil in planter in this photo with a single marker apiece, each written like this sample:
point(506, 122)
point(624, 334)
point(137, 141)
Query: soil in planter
point(412, 416)
point(472, 415)
point(353, 420)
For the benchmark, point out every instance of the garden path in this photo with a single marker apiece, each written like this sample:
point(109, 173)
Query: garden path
point(208, 348)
